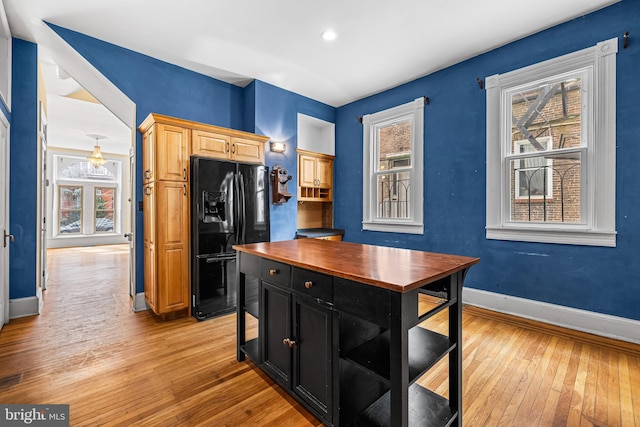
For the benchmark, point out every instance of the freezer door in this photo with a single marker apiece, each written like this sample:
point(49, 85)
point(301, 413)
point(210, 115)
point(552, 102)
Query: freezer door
point(254, 212)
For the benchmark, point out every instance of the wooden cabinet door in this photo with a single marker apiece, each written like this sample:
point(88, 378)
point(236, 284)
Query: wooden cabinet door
point(171, 153)
point(275, 327)
point(150, 283)
point(247, 150)
point(172, 246)
point(148, 155)
point(313, 350)
point(209, 144)
point(307, 171)
point(324, 173)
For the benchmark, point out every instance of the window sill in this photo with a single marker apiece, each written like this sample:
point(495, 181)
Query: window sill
point(393, 227)
point(566, 237)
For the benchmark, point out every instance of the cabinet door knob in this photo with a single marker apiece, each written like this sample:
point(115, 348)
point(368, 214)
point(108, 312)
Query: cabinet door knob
point(289, 343)
point(273, 272)
point(147, 174)
point(308, 284)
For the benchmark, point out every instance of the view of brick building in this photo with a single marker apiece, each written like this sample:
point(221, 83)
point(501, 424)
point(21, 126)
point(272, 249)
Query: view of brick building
point(545, 187)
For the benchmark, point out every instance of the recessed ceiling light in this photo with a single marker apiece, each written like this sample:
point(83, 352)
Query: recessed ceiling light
point(329, 35)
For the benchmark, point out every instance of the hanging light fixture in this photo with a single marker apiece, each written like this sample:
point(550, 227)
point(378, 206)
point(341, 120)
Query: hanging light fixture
point(95, 158)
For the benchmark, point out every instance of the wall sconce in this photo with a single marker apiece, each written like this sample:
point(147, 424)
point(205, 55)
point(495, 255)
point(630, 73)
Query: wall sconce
point(278, 147)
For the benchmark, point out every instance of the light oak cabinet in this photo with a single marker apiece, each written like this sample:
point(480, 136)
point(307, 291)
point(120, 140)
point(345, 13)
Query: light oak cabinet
point(165, 153)
point(315, 176)
point(247, 148)
point(166, 246)
point(167, 145)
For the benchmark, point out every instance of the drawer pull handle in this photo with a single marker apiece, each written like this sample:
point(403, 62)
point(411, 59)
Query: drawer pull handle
point(308, 284)
point(289, 343)
point(273, 272)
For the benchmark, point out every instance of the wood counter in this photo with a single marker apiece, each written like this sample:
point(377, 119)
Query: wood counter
point(338, 327)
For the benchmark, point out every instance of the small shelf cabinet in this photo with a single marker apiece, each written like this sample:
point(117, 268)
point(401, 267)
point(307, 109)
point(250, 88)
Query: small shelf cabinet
point(357, 343)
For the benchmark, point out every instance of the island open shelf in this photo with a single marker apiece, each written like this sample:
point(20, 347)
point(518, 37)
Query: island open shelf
point(340, 328)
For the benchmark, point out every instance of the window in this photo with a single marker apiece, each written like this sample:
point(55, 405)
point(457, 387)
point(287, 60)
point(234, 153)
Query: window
point(70, 214)
point(104, 209)
point(88, 197)
point(392, 170)
point(551, 150)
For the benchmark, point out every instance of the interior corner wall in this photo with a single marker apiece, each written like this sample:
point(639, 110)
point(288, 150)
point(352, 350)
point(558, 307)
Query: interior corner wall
point(596, 279)
point(276, 116)
point(23, 158)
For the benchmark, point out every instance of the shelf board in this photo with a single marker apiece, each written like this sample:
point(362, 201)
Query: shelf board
point(425, 349)
point(250, 348)
point(426, 408)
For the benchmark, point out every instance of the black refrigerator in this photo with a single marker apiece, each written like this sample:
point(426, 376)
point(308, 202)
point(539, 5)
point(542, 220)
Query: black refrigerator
point(229, 205)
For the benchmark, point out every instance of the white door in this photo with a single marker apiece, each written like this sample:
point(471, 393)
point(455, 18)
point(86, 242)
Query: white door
point(132, 223)
point(44, 183)
point(4, 221)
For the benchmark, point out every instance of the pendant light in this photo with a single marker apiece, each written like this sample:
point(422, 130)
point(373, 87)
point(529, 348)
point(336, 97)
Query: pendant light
point(96, 158)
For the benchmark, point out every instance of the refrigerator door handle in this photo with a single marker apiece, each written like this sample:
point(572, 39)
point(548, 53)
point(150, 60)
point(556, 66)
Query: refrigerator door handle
point(242, 208)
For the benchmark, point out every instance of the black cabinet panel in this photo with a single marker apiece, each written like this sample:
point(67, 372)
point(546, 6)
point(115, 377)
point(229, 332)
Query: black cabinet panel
point(275, 327)
point(313, 354)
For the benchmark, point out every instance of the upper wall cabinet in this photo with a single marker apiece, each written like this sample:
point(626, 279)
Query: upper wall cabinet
point(200, 139)
point(236, 146)
point(315, 176)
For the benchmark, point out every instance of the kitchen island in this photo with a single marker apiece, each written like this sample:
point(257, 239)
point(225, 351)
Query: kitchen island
point(338, 328)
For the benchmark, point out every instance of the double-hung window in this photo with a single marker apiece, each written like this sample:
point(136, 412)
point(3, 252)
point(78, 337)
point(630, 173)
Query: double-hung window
point(551, 150)
point(392, 169)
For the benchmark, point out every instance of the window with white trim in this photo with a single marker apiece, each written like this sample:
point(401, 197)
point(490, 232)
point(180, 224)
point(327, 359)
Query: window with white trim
point(87, 197)
point(392, 169)
point(551, 150)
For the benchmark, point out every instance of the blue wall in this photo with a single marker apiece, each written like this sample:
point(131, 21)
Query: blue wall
point(23, 155)
point(276, 114)
point(603, 280)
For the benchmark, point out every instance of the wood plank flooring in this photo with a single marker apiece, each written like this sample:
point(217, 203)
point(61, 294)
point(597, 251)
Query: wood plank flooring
point(119, 368)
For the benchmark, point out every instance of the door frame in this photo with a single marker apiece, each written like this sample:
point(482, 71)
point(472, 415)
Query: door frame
point(116, 101)
point(4, 202)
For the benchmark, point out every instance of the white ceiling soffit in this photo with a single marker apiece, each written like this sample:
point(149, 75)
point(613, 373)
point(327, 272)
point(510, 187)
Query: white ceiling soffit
point(380, 44)
point(85, 74)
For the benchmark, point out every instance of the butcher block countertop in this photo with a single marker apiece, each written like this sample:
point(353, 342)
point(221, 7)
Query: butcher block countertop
point(396, 269)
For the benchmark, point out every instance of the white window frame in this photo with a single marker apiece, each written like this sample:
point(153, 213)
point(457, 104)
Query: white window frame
point(597, 227)
point(414, 111)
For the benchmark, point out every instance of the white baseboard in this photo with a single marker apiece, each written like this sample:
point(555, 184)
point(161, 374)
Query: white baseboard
point(581, 320)
point(138, 302)
point(22, 307)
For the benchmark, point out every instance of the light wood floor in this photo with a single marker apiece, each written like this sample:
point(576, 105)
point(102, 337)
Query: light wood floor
point(116, 367)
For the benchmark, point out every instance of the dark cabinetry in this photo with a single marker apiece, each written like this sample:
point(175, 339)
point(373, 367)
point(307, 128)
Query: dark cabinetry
point(351, 345)
point(295, 333)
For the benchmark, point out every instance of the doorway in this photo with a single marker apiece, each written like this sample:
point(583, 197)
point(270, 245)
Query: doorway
point(84, 203)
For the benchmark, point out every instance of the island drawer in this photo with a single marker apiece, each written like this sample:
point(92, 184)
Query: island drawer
point(276, 273)
point(313, 284)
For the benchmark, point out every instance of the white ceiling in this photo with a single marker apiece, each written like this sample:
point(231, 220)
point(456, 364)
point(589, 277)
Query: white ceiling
point(380, 43)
